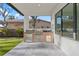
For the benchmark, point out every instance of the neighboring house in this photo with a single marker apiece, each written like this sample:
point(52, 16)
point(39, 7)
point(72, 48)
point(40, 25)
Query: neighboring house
point(40, 24)
point(14, 24)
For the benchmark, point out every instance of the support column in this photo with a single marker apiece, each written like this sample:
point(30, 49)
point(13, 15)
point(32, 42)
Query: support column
point(75, 21)
point(26, 26)
point(53, 27)
point(61, 22)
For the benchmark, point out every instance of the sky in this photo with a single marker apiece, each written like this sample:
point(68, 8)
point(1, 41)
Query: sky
point(59, 20)
point(46, 18)
point(10, 10)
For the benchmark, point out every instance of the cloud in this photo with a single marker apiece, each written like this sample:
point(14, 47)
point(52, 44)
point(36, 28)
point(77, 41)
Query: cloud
point(1, 25)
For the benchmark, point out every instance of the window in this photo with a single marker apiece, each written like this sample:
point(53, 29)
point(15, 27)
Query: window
point(58, 22)
point(48, 27)
point(68, 21)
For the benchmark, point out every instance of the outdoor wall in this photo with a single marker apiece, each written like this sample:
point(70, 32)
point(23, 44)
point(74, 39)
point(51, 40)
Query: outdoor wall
point(68, 45)
point(47, 37)
point(14, 25)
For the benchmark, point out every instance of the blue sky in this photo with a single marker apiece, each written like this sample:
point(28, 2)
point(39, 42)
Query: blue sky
point(10, 10)
point(46, 18)
point(59, 20)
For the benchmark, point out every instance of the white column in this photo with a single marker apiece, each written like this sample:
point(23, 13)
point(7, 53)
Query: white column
point(53, 26)
point(53, 23)
point(26, 23)
point(26, 26)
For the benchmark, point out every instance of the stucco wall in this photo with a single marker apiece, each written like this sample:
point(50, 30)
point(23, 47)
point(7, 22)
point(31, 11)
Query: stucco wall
point(42, 37)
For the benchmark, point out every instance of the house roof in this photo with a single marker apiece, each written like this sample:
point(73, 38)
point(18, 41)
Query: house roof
point(13, 20)
point(41, 20)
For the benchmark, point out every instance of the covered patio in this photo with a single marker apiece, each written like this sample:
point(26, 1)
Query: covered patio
point(39, 48)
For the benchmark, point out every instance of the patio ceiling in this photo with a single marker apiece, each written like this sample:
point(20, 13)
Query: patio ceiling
point(38, 9)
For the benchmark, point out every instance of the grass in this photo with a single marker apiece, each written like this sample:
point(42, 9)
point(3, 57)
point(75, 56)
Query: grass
point(6, 44)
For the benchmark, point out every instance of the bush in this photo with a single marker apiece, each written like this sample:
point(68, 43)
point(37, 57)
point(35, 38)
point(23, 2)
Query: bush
point(6, 32)
point(19, 31)
point(11, 32)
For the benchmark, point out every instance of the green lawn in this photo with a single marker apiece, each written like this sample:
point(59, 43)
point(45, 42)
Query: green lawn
point(6, 44)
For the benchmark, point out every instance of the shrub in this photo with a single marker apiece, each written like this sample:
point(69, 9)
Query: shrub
point(19, 31)
point(6, 32)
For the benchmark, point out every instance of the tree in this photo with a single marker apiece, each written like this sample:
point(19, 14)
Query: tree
point(19, 31)
point(68, 24)
point(11, 17)
point(6, 32)
point(4, 12)
point(34, 18)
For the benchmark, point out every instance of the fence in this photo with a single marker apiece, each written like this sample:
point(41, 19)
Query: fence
point(38, 35)
point(10, 33)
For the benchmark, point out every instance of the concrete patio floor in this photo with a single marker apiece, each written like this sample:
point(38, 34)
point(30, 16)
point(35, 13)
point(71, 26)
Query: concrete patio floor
point(35, 49)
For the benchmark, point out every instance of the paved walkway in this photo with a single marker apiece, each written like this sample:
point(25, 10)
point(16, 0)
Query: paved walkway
point(35, 49)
